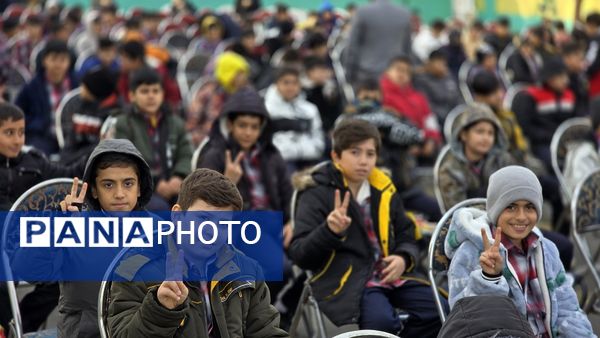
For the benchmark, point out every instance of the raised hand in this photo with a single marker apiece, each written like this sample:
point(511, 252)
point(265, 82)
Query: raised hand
point(74, 201)
point(233, 169)
point(338, 220)
point(490, 260)
point(173, 292)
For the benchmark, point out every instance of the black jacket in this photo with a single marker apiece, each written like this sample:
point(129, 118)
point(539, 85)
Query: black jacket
point(342, 266)
point(272, 166)
point(31, 167)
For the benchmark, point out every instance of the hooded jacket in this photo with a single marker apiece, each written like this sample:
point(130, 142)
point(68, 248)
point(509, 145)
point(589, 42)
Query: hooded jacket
point(463, 247)
point(298, 128)
point(240, 304)
point(77, 306)
point(342, 266)
point(457, 180)
point(273, 168)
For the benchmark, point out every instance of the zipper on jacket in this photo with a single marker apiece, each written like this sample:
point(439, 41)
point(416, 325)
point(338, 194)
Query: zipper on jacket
point(327, 265)
point(343, 281)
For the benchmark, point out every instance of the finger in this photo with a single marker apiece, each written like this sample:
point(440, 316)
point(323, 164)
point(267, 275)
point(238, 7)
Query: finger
point(347, 221)
point(388, 269)
point(498, 237)
point(169, 292)
point(337, 202)
point(81, 196)
point(68, 200)
point(63, 205)
point(227, 157)
point(182, 288)
point(487, 262)
point(239, 158)
point(169, 270)
point(72, 208)
point(179, 265)
point(174, 286)
point(486, 243)
point(74, 187)
point(346, 202)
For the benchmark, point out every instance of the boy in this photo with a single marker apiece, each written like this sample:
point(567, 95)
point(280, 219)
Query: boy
point(297, 124)
point(521, 263)
point(573, 56)
point(400, 95)
point(83, 116)
point(188, 309)
point(541, 109)
point(158, 134)
point(40, 98)
point(321, 90)
point(105, 56)
point(477, 149)
point(119, 180)
point(351, 231)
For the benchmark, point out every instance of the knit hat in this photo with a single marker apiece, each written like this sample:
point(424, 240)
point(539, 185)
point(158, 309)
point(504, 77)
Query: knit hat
point(511, 184)
point(100, 82)
point(227, 67)
point(552, 67)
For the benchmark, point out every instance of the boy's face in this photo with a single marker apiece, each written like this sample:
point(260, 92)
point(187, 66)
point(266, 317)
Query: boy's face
point(559, 82)
point(575, 62)
point(107, 55)
point(517, 220)
point(201, 251)
point(117, 188)
point(288, 87)
point(56, 65)
point(245, 130)
point(489, 62)
point(479, 139)
point(148, 97)
point(399, 73)
point(366, 94)
point(34, 31)
point(358, 161)
point(438, 67)
point(128, 64)
point(12, 137)
point(320, 75)
point(494, 100)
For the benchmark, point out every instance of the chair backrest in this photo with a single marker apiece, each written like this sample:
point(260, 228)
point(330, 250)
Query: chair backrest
point(44, 196)
point(451, 118)
point(503, 63)
point(104, 294)
point(189, 69)
point(571, 130)
point(340, 72)
point(198, 152)
point(63, 118)
point(511, 93)
point(442, 156)
point(82, 57)
point(365, 333)
point(437, 262)
point(175, 42)
point(17, 76)
point(585, 219)
point(463, 81)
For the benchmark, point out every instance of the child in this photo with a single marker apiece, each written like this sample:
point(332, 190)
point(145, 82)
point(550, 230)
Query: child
point(351, 231)
point(321, 90)
point(119, 180)
point(521, 263)
point(298, 129)
point(40, 98)
point(399, 94)
point(477, 149)
point(158, 134)
point(189, 309)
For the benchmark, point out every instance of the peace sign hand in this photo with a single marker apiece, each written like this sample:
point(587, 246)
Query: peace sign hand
point(338, 220)
point(490, 260)
point(233, 169)
point(73, 201)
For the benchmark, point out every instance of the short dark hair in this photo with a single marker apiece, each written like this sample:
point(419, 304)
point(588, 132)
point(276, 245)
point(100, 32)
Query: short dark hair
point(593, 19)
point(106, 43)
point(438, 24)
point(367, 84)
point(572, 48)
point(316, 40)
point(399, 59)
point(285, 71)
point(485, 83)
point(503, 21)
point(313, 62)
point(352, 131)
point(211, 187)
point(10, 112)
point(134, 50)
point(144, 76)
point(438, 54)
point(55, 47)
point(115, 160)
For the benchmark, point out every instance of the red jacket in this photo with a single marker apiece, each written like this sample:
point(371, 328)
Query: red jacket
point(412, 105)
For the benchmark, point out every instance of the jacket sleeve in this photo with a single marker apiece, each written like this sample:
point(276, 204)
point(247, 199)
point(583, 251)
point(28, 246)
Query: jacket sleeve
point(525, 110)
point(285, 186)
point(452, 184)
point(53, 170)
point(213, 159)
point(404, 234)
point(305, 145)
point(571, 321)
point(465, 278)
point(263, 318)
point(134, 311)
point(183, 153)
point(313, 242)
point(121, 128)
